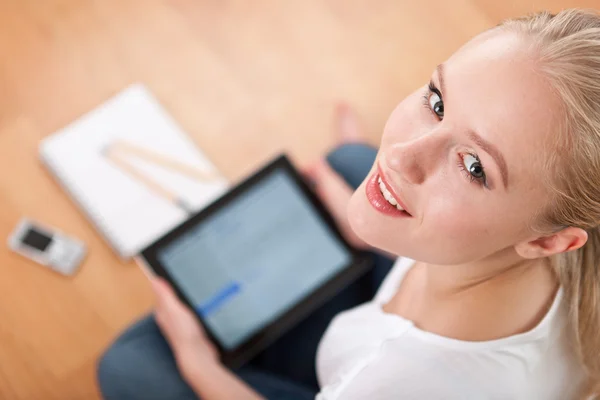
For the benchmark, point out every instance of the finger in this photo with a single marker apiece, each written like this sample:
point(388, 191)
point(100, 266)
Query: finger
point(335, 194)
point(333, 190)
point(309, 173)
point(170, 304)
point(311, 169)
point(165, 296)
point(162, 311)
point(155, 283)
point(315, 172)
point(163, 288)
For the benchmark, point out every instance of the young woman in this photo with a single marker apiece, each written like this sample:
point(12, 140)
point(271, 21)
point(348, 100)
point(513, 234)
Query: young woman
point(487, 185)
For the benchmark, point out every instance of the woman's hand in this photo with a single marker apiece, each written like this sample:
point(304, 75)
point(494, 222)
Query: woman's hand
point(335, 193)
point(192, 349)
point(197, 358)
point(329, 186)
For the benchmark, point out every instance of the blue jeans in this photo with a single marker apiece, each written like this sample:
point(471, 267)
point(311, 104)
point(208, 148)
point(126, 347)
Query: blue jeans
point(139, 365)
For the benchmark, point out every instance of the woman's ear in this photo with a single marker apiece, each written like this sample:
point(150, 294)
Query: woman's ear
point(567, 239)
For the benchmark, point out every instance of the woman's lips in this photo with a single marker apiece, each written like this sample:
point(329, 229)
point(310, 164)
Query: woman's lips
point(379, 202)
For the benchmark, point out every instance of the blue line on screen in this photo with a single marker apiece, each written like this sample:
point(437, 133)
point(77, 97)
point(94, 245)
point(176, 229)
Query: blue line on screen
point(219, 299)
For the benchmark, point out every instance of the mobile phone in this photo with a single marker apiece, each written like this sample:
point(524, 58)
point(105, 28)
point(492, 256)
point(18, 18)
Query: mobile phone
point(47, 246)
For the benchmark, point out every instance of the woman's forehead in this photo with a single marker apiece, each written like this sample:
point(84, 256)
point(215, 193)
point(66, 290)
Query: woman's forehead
point(494, 86)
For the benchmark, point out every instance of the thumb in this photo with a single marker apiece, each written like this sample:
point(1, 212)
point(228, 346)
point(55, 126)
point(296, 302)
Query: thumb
point(315, 171)
point(310, 173)
point(165, 296)
point(331, 187)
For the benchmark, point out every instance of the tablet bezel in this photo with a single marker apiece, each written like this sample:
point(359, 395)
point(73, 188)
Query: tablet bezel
point(359, 264)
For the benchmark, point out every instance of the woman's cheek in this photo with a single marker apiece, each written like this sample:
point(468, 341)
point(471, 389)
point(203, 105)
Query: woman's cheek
point(454, 217)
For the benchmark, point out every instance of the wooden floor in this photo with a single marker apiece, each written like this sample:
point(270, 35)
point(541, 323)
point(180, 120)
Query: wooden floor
point(246, 79)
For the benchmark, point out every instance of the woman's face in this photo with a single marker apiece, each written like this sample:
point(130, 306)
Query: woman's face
point(465, 155)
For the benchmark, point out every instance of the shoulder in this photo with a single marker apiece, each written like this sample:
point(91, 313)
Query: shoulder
point(413, 369)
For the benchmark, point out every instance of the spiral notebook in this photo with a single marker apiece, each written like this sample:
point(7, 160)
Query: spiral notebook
point(132, 170)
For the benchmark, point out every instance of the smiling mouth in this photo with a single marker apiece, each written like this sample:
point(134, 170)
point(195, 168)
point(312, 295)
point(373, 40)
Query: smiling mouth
point(387, 195)
point(382, 199)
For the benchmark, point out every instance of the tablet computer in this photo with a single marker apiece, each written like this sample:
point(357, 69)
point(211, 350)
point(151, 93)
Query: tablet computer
point(256, 261)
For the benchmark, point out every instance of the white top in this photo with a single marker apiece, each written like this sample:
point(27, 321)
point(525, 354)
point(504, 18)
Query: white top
point(369, 354)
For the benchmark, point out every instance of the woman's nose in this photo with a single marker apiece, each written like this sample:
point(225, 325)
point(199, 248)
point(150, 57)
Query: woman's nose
point(417, 159)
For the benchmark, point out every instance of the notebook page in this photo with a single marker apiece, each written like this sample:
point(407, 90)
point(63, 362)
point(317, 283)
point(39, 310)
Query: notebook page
point(126, 211)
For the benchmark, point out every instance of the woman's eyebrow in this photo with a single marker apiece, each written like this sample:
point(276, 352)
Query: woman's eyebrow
point(493, 152)
point(440, 72)
point(479, 141)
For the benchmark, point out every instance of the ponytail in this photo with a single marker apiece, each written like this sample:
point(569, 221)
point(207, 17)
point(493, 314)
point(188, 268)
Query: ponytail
point(579, 274)
point(567, 46)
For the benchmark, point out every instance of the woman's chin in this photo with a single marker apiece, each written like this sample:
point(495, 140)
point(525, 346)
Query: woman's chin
point(376, 228)
point(364, 221)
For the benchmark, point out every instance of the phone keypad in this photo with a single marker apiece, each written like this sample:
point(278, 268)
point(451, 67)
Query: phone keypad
point(65, 258)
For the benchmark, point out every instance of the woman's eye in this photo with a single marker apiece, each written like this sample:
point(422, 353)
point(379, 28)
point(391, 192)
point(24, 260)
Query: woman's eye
point(436, 104)
point(473, 165)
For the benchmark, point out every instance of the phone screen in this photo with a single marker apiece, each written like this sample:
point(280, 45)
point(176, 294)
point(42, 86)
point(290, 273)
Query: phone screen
point(36, 239)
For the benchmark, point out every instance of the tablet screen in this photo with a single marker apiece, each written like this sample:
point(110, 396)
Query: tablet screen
point(254, 259)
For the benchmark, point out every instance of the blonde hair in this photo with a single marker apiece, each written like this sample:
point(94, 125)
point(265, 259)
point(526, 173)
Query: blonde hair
point(567, 47)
